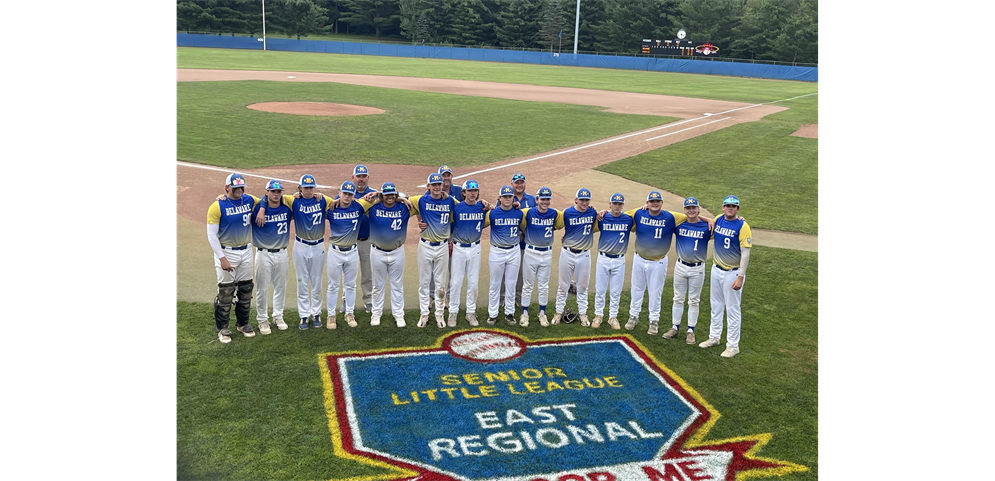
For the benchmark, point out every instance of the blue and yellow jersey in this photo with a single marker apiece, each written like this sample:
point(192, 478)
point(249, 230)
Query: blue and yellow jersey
point(579, 228)
point(692, 241)
point(731, 236)
point(276, 233)
point(309, 216)
point(655, 233)
point(234, 219)
point(364, 221)
point(468, 221)
point(343, 223)
point(437, 213)
point(539, 227)
point(388, 227)
point(454, 192)
point(504, 226)
point(524, 202)
point(614, 237)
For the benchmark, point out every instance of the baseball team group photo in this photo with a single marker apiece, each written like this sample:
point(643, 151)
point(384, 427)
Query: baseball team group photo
point(404, 260)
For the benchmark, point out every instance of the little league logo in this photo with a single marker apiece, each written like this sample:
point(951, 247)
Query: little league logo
point(489, 405)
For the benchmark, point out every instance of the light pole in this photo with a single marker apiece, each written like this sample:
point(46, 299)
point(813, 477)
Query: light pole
point(264, 24)
point(576, 27)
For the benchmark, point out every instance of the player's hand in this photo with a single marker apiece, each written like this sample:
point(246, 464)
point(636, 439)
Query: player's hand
point(445, 195)
point(737, 284)
point(602, 214)
point(297, 195)
point(225, 265)
point(406, 203)
point(316, 196)
point(742, 218)
point(221, 197)
point(646, 207)
point(487, 205)
point(261, 217)
point(711, 224)
point(371, 196)
point(516, 205)
point(422, 225)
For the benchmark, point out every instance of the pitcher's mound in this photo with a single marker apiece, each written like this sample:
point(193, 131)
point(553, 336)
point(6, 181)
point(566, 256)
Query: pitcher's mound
point(315, 108)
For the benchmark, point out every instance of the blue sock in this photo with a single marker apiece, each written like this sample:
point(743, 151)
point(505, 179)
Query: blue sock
point(542, 309)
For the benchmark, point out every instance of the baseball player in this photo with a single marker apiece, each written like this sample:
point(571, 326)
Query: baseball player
point(575, 260)
point(436, 213)
point(524, 201)
point(361, 177)
point(230, 237)
point(538, 224)
point(309, 249)
point(388, 229)
point(454, 192)
point(503, 259)
point(613, 241)
point(344, 217)
point(689, 272)
point(468, 221)
point(272, 262)
point(733, 239)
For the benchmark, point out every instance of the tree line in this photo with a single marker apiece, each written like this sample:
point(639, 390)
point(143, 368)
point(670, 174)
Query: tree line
point(780, 30)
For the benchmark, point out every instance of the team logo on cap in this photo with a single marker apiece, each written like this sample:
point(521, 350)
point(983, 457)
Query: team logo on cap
point(274, 185)
point(654, 196)
point(544, 193)
point(517, 177)
point(618, 198)
point(506, 190)
point(445, 168)
point(307, 180)
point(388, 188)
point(583, 194)
point(360, 169)
point(435, 179)
point(731, 200)
point(237, 181)
point(349, 187)
point(690, 202)
point(471, 185)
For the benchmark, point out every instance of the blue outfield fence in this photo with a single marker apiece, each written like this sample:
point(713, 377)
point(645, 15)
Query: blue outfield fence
point(735, 69)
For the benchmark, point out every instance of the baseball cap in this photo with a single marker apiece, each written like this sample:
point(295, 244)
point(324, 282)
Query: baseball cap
point(544, 193)
point(518, 176)
point(444, 169)
point(360, 170)
point(690, 202)
point(471, 185)
point(235, 180)
point(506, 190)
point(617, 197)
point(349, 187)
point(654, 196)
point(731, 200)
point(274, 185)
point(434, 179)
point(307, 180)
point(583, 193)
point(388, 188)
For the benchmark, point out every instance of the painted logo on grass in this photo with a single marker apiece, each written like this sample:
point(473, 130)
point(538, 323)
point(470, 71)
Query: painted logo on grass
point(489, 405)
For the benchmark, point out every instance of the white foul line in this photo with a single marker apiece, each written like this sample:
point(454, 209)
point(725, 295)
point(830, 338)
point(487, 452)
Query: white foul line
point(798, 97)
point(184, 164)
point(685, 130)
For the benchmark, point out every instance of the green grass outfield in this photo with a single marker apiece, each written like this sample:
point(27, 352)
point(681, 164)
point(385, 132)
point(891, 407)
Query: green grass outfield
point(253, 409)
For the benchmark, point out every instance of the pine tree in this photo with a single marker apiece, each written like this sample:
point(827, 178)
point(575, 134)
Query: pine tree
point(552, 24)
point(421, 28)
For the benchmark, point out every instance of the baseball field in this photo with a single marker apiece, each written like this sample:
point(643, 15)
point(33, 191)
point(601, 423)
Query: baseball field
point(271, 407)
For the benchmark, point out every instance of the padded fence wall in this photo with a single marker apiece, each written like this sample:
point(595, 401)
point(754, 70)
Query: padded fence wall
point(735, 69)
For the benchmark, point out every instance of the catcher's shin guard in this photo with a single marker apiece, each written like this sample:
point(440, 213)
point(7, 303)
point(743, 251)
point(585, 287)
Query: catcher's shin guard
point(222, 305)
point(242, 302)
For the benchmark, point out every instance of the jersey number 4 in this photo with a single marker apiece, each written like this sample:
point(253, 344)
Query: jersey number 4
point(396, 225)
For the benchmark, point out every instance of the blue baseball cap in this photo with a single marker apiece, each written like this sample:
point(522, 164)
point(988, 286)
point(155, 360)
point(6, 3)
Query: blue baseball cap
point(618, 197)
point(690, 202)
point(360, 170)
point(583, 193)
point(307, 180)
point(731, 200)
point(434, 179)
point(444, 169)
point(654, 196)
point(388, 188)
point(235, 180)
point(518, 176)
point(274, 185)
point(348, 187)
point(507, 190)
point(544, 193)
point(471, 185)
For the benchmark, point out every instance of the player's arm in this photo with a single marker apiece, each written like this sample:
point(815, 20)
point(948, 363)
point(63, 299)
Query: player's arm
point(487, 218)
point(288, 200)
point(213, 226)
point(559, 223)
point(525, 222)
point(632, 213)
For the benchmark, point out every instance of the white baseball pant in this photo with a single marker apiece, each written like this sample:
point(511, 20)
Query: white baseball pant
point(610, 272)
point(366, 274)
point(651, 274)
point(537, 266)
point(723, 297)
point(345, 266)
point(504, 265)
point(687, 279)
point(432, 263)
point(573, 265)
point(465, 263)
point(240, 259)
point(271, 270)
point(308, 262)
point(388, 266)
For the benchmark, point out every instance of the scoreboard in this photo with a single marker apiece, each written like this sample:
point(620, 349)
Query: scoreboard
point(687, 48)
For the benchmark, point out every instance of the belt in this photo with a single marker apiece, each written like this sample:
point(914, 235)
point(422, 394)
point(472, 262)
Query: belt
point(343, 249)
point(722, 269)
point(310, 243)
point(272, 250)
point(503, 247)
point(468, 245)
point(433, 244)
point(575, 251)
point(540, 249)
point(691, 264)
point(384, 250)
point(239, 248)
point(364, 239)
point(610, 256)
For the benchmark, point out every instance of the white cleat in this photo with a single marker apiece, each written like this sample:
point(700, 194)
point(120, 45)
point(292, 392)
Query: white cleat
point(542, 319)
point(710, 342)
point(400, 322)
point(440, 320)
point(524, 320)
point(351, 320)
point(375, 321)
point(556, 318)
point(264, 328)
point(281, 325)
point(452, 319)
point(472, 319)
point(654, 328)
point(423, 320)
point(730, 352)
point(632, 323)
point(597, 322)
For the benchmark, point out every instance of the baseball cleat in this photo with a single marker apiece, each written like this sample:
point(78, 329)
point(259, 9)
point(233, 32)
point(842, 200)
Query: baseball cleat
point(542, 319)
point(654, 328)
point(524, 320)
point(691, 339)
point(369, 308)
point(224, 336)
point(246, 331)
point(556, 318)
point(281, 325)
point(423, 320)
point(597, 322)
point(730, 352)
point(329, 321)
point(583, 321)
point(472, 319)
point(671, 333)
point(399, 322)
point(440, 320)
point(452, 319)
point(264, 328)
point(709, 343)
point(632, 323)
point(317, 321)
point(613, 322)
point(351, 320)
point(491, 321)
point(375, 321)
point(304, 324)
point(510, 319)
